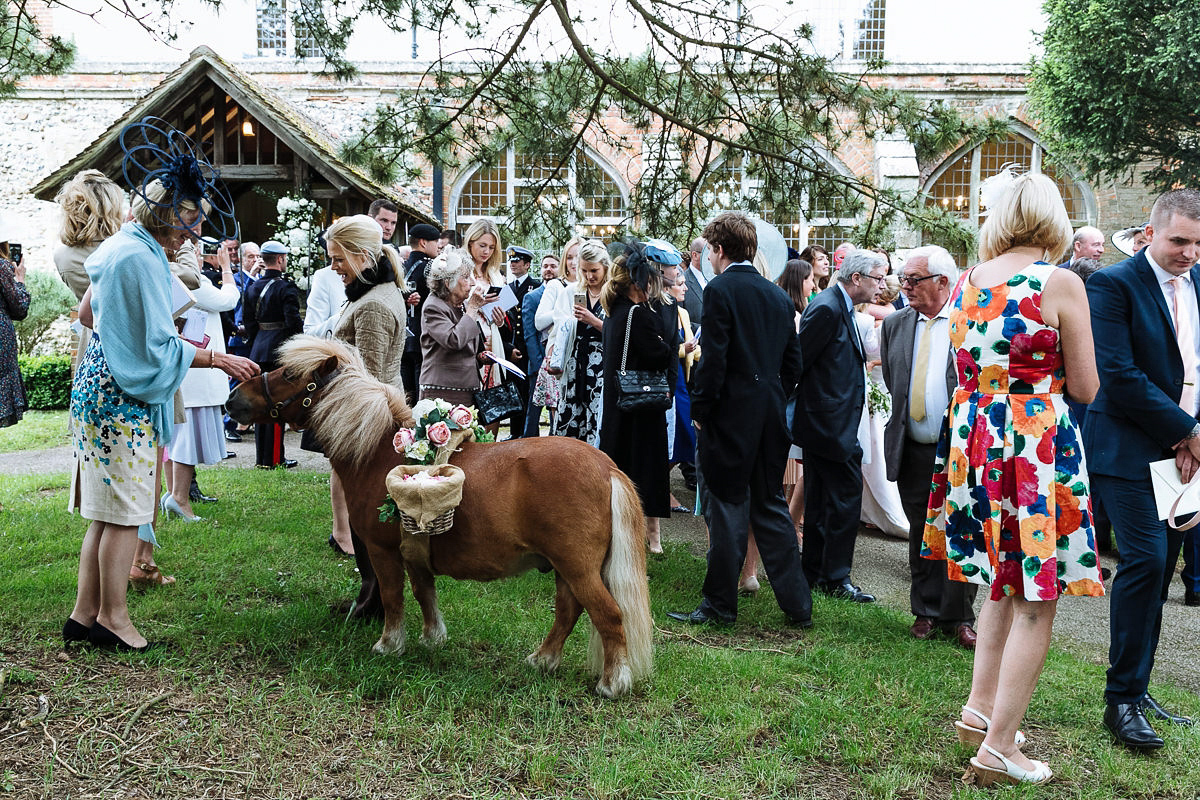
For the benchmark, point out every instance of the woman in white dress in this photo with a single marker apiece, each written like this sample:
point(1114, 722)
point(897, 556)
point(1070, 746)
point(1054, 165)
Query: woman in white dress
point(555, 317)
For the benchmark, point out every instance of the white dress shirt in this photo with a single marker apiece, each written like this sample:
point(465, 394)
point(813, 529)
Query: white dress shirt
point(1187, 305)
point(936, 399)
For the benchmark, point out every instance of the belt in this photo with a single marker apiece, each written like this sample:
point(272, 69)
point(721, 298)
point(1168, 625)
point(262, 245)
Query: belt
point(437, 388)
point(270, 326)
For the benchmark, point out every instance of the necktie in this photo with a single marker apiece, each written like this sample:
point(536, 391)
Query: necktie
point(916, 395)
point(1186, 337)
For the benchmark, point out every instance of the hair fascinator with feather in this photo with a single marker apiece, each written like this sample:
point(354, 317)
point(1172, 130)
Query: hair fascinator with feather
point(992, 189)
point(155, 151)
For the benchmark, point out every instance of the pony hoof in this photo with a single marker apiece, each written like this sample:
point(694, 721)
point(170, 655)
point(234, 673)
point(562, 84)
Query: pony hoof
point(544, 662)
point(386, 646)
point(434, 639)
point(620, 685)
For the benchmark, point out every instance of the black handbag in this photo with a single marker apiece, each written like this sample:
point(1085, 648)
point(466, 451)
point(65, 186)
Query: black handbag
point(640, 389)
point(498, 402)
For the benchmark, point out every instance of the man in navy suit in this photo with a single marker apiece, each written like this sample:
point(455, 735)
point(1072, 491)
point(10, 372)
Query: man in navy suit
point(1145, 411)
point(829, 407)
point(535, 348)
point(519, 260)
point(750, 363)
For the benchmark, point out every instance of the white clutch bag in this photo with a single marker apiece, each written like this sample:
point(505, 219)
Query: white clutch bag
point(1172, 496)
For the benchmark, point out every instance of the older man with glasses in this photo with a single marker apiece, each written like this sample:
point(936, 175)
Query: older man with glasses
point(918, 368)
point(831, 396)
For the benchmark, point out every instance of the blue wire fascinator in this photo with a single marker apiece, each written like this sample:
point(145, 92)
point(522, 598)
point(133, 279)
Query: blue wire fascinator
point(156, 151)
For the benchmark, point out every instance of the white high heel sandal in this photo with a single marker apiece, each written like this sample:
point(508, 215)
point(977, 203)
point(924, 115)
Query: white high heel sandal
point(969, 734)
point(986, 776)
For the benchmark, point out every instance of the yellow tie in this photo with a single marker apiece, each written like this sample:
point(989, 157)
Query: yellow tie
point(916, 395)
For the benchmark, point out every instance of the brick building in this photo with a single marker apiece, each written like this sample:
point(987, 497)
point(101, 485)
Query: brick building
point(52, 121)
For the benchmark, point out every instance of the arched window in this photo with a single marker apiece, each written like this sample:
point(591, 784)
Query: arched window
point(825, 222)
point(955, 185)
point(587, 190)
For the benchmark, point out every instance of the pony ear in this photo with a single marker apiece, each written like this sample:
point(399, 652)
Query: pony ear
point(329, 365)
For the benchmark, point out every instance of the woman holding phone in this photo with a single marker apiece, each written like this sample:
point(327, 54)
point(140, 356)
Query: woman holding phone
point(482, 243)
point(579, 411)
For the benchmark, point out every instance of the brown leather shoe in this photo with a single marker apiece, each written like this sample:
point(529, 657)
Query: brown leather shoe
point(923, 628)
point(964, 637)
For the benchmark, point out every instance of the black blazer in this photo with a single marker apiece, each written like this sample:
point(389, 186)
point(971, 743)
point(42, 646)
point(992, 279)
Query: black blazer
point(272, 319)
point(749, 365)
point(832, 386)
point(1135, 418)
point(693, 301)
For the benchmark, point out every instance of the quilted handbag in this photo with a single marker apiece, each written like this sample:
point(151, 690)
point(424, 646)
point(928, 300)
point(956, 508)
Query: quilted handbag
point(498, 402)
point(640, 389)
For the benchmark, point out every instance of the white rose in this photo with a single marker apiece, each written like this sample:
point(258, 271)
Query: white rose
point(304, 226)
point(423, 407)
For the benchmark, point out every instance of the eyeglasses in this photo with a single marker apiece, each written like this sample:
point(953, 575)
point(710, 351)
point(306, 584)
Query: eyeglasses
point(908, 280)
point(877, 278)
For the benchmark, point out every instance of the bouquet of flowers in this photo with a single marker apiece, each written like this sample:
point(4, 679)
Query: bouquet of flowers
point(878, 400)
point(437, 421)
point(299, 226)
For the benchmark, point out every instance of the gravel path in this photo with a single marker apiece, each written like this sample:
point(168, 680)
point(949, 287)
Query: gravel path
point(881, 568)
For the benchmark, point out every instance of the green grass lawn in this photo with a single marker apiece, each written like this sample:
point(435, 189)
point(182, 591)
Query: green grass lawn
point(271, 696)
point(37, 430)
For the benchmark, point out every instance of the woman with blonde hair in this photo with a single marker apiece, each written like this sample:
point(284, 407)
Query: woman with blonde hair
point(122, 397)
point(93, 209)
point(482, 244)
point(373, 320)
point(1015, 519)
point(555, 320)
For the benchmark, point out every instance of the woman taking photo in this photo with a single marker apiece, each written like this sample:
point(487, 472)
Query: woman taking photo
point(555, 320)
point(452, 343)
point(121, 400)
point(482, 243)
point(1022, 333)
point(637, 440)
point(579, 410)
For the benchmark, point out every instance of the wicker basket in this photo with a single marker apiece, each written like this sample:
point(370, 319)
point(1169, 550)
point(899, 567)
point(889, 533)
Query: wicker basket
point(426, 508)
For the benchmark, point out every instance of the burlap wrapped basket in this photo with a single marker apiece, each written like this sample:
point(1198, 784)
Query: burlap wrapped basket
point(426, 507)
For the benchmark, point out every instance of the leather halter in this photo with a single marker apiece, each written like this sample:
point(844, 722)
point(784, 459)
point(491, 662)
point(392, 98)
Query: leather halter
point(305, 397)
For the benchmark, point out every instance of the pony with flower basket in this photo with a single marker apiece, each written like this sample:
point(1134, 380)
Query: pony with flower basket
point(551, 503)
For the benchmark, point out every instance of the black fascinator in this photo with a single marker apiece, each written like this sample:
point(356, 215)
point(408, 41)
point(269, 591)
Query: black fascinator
point(156, 151)
point(637, 264)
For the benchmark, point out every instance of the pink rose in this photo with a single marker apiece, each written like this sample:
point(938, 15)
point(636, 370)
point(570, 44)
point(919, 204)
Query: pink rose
point(403, 438)
point(462, 416)
point(438, 433)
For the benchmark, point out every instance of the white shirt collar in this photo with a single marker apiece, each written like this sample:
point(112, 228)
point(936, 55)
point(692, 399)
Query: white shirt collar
point(943, 313)
point(1161, 275)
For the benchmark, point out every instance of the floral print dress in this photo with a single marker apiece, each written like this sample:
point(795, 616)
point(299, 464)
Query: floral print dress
point(581, 407)
point(1009, 504)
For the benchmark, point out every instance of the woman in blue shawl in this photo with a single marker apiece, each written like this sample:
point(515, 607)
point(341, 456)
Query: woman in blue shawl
point(121, 401)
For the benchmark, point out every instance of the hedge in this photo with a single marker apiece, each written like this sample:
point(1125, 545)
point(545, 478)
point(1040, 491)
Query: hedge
point(47, 381)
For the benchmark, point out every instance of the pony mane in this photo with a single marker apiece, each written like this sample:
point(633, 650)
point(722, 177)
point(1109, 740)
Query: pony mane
point(355, 410)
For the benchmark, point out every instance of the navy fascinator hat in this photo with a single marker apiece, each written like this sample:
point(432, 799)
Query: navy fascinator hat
point(154, 150)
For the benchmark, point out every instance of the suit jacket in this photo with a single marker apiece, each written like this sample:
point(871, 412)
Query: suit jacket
point(896, 350)
point(535, 348)
point(271, 313)
point(832, 387)
point(751, 360)
point(517, 318)
point(693, 301)
point(1135, 418)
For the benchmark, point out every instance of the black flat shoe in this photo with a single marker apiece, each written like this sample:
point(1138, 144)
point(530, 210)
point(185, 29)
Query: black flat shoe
point(698, 617)
point(232, 436)
point(681, 509)
point(74, 632)
point(1151, 708)
point(104, 639)
point(337, 548)
point(1129, 727)
point(846, 591)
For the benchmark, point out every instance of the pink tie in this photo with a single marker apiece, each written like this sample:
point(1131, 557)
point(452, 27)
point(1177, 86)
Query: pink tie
point(1186, 337)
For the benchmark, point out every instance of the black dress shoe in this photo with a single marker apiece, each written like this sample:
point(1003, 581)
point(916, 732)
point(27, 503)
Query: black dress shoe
point(232, 436)
point(104, 639)
point(1191, 598)
point(1129, 726)
point(796, 622)
point(847, 591)
point(74, 632)
point(195, 494)
point(1151, 708)
point(698, 617)
point(288, 463)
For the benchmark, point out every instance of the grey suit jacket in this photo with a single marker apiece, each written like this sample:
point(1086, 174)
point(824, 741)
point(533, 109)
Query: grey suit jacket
point(693, 301)
point(896, 350)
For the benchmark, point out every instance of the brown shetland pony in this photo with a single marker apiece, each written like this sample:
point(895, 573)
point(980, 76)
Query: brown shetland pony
point(548, 503)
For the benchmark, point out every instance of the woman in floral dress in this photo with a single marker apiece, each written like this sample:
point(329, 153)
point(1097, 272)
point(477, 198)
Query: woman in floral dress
point(580, 409)
point(1009, 507)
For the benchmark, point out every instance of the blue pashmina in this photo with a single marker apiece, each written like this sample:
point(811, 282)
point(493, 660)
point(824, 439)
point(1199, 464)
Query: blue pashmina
point(131, 304)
